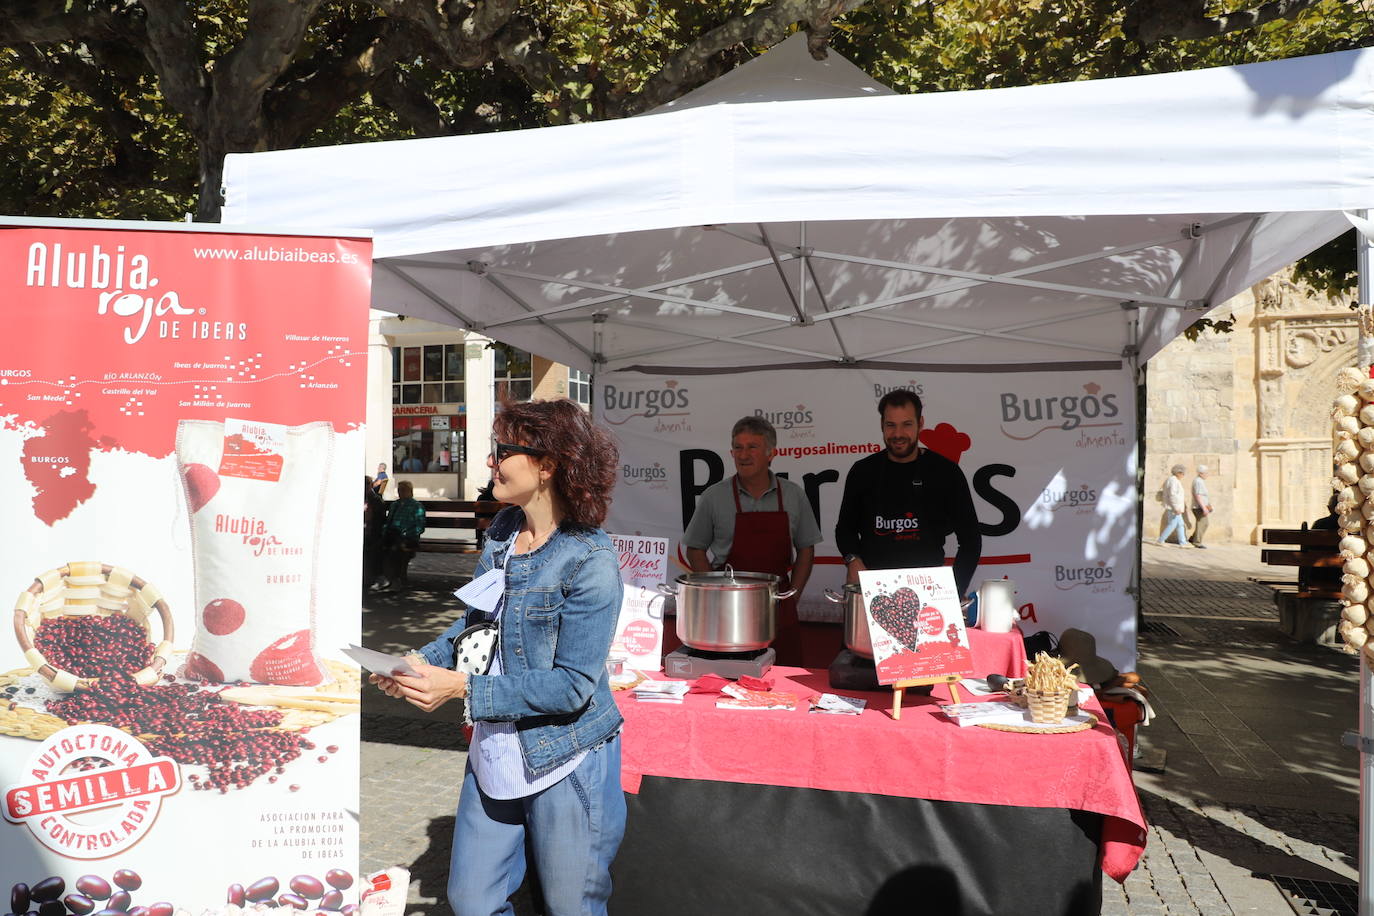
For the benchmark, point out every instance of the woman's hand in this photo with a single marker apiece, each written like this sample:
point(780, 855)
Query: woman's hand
point(428, 689)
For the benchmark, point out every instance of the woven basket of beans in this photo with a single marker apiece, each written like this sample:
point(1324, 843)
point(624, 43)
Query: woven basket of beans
point(1048, 708)
point(86, 620)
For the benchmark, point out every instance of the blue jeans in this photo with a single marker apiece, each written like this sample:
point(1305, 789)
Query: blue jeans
point(1175, 524)
point(575, 827)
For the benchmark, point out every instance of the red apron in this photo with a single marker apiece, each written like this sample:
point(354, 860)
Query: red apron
point(763, 544)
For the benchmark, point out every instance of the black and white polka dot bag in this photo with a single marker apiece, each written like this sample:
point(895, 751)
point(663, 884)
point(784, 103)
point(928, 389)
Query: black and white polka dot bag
point(474, 649)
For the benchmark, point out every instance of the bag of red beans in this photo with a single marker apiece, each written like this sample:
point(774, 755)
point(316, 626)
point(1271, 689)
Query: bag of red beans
point(254, 496)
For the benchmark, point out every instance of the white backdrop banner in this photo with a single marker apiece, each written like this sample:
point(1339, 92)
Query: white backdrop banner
point(1049, 456)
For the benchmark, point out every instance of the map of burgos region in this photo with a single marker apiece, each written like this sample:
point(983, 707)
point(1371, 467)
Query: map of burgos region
point(116, 336)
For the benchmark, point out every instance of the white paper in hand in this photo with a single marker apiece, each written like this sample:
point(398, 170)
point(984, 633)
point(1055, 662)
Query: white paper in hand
point(379, 662)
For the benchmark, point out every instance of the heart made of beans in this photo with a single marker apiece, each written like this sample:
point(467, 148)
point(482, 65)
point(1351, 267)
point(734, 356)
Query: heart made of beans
point(898, 615)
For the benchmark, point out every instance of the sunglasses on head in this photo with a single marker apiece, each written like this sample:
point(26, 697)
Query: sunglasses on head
point(500, 451)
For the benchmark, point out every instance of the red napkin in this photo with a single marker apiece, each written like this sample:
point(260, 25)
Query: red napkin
point(756, 683)
point(708, 683)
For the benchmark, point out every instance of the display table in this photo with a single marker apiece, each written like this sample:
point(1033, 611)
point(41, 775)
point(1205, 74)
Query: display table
point(830, 813)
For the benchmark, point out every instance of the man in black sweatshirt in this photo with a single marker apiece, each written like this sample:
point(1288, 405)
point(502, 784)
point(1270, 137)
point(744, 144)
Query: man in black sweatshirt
point(901, 504)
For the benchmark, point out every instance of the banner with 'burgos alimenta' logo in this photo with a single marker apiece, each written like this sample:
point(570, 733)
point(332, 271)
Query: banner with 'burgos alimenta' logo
point(1049, 457)
point(180, 432)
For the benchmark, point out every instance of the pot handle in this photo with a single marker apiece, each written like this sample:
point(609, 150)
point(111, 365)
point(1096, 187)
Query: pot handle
point(783, 596)
point(665, 589)
point(832, 595)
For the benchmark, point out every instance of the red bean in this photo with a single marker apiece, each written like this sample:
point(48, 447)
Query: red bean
point(79, 904)
point(308, 886)
point(48, 889)
point(93, 886)
point(295, 901)
point(141, 911)
point(120, 900)
point(262, 889)
point(19, 899)
point(339, 878)
point(161, 908)
point(235, 896)
point(332, 899)
point(349, 909)
point(128, 879)
point(109, 912)
point(52, 908)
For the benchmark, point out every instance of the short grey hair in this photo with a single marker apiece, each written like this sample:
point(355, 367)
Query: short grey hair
point(758, 426)
point(1202, 469)
point(1179, 469)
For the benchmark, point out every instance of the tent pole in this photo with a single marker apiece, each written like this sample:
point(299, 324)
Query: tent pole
point(1362, 260)
point(1138, 378)
point(598, 357)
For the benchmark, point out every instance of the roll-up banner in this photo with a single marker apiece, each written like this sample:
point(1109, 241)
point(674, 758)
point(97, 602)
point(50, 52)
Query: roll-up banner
point(1049, 457)
point(181, 436)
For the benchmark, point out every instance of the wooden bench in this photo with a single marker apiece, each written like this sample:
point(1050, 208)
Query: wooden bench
point(1317, 550)
point(1309, 610)
point(459, 514)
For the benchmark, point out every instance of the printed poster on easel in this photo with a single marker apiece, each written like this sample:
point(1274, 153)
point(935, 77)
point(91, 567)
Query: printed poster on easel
point(639, 632)
point(916, 624)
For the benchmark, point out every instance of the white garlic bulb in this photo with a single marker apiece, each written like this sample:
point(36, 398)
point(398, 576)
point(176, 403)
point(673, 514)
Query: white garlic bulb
point(1366, 390)
point(1345, 406)
point(1367, 510)
point(1366, 484)
point(1367, 415)
point(1367, 462)
point(1358, 567)
point(1356, 592)
point(1347, 426)
point(1349, 379)
point(1352, 522)
point(1353, 547)
point(1347, 451)
point(1350, 472)
point(1356, 637)
point(1365, 437)
point(1355, 613)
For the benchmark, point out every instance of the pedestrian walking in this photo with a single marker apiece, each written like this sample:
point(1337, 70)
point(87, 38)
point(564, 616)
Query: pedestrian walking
point(543, 770)
point(1202, 507)
point(1175, 505)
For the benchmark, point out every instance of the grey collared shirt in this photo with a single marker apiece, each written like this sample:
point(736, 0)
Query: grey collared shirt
point(712, 527)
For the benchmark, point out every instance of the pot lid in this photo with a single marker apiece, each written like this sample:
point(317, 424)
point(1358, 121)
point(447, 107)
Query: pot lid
point(728, 578)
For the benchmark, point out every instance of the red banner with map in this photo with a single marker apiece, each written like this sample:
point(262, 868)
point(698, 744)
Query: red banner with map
point(181, 431)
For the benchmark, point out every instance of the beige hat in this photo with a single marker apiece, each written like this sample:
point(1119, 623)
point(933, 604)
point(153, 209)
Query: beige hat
point(1080, 647)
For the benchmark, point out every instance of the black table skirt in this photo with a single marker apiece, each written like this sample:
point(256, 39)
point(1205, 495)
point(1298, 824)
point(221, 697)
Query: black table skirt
point(700, 848)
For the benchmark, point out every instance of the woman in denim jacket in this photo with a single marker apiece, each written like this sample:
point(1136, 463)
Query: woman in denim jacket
point(545, 753)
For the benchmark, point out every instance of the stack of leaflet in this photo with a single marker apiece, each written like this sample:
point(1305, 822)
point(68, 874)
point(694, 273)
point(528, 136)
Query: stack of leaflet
point(834, 704)
point(661, 691)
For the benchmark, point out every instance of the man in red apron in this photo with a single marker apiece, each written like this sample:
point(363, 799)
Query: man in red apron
point(757, 522)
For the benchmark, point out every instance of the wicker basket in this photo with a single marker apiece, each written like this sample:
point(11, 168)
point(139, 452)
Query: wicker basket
point(1048, 708)
point(90, 588)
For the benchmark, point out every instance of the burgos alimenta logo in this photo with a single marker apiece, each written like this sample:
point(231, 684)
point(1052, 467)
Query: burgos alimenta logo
point(666, 404)
point(91, 791)
point(1095, 415)
point(1097, 577)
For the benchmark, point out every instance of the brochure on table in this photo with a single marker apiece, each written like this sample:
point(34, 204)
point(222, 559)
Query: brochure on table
point(915, 623)
point(639, 632)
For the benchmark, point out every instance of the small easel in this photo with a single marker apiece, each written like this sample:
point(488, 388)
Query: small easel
point(899, 689)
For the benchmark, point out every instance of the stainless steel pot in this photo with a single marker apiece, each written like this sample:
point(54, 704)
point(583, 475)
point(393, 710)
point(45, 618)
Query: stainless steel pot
point(726, 611)
point(856, 638)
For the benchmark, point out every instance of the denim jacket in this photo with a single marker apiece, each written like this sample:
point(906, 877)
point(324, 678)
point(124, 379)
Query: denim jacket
point(562, 603)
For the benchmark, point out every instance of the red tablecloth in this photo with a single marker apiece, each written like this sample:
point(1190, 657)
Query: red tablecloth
point(922, 755)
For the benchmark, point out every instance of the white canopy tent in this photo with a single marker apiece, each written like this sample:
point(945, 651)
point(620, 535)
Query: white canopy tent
point(844, 225)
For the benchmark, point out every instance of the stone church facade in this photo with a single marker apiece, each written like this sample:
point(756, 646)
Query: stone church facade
point(1254, 406)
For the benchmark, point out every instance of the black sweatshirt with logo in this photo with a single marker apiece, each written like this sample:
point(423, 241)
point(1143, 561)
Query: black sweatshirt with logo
point(895, 515)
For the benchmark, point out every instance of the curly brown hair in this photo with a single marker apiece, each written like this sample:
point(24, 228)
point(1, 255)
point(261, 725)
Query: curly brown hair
point(585, 455)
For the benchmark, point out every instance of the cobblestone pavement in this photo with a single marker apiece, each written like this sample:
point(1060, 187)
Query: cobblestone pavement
point(1248, 725)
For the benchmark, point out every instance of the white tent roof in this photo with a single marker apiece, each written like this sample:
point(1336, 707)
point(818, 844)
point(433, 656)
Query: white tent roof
point(1000, 227)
